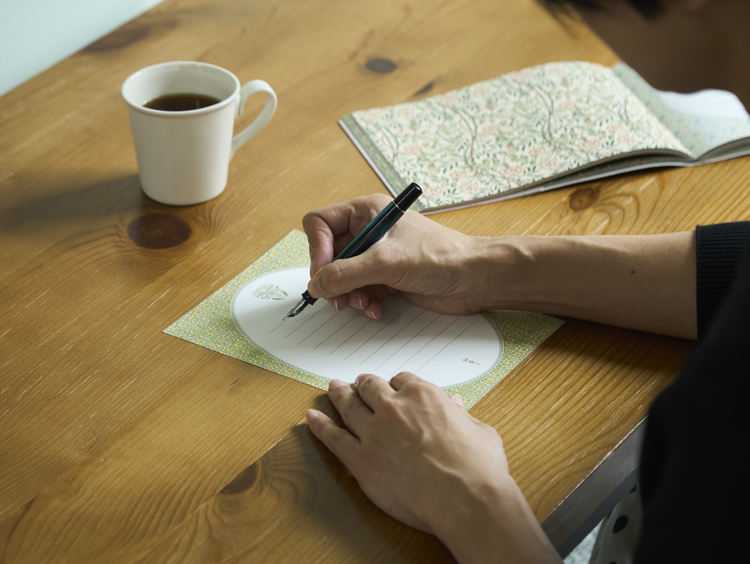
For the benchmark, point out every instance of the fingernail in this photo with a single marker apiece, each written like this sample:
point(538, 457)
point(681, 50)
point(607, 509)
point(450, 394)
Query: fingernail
point(371, 314)
point(333, 384)
point(312, 414)
point(360, 303)
point(336, 304)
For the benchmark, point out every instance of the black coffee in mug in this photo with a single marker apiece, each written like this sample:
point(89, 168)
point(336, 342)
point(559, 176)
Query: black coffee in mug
point(181, 102)
point(183, 150)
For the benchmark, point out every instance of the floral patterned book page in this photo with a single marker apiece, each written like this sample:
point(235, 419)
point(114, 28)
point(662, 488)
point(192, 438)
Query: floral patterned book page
point(465, 355)
point(507, 134)
point(705, 122)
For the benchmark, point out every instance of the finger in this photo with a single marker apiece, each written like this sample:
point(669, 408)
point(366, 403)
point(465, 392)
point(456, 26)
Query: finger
point(374, 311)
point(343, 276)
point(354, 412)
point(459, 401)
point(330, 229)
point(358, 299)
point(338, 303)
point(339, 441)
point(364, 209)
point(368, 300)
point(320, 237)
point(327, 229)
point(361, 299)
point(378, 294)
point(373, 390)
point(340, 242)
point(402, 379)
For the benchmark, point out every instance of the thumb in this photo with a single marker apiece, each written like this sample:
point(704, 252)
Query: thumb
point(342, 276)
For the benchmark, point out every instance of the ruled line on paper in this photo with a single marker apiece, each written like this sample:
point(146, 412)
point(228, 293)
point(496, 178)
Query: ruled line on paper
point(334, 316)
point(385, 308)
point(303, 323)
point(423, 347)
point(279, 325)
point(332, 344)
point(354, 318)
point(396, 334)
point(395, 317)
point(348, 338)
point(445, 347)
point(409, 341)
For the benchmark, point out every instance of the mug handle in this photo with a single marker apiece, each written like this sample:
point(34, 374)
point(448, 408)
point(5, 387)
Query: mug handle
point(249, 89)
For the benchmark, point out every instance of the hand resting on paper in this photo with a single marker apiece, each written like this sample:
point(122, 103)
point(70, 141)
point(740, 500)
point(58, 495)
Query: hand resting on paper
point(421, 458)
point(644, 282)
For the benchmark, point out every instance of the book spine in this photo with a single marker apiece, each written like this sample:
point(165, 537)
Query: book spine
point(379, 164)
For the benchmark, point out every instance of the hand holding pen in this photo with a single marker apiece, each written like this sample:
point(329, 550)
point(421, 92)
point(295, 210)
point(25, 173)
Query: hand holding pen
point(420, 260)
point(372, 233)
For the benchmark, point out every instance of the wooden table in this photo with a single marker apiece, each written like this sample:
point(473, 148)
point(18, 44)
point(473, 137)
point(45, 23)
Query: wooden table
point(119, 443)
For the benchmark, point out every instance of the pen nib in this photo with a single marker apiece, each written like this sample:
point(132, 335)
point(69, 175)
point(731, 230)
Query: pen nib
point(296, 309)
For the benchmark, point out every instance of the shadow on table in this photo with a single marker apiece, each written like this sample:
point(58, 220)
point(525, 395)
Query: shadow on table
point(579, 342)
point(71, 203)
point(298, 499)
point(298, 502)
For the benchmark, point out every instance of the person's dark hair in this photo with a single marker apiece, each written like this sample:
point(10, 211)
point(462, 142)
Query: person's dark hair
point(646, 7)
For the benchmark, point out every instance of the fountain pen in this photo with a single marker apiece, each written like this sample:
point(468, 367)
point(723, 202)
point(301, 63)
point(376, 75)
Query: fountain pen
point(371, 234)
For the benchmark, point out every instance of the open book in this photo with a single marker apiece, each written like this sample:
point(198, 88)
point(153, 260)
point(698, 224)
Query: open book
point(542, 128)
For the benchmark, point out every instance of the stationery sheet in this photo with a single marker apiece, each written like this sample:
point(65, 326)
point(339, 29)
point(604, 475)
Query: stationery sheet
point(464, 355)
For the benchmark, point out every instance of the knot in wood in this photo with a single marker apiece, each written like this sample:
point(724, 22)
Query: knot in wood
point(582, 198)
point(381, 66)
point(158, 231)
point(425, 89)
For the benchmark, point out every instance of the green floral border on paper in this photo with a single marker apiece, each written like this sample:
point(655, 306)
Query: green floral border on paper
point(522, 333)
point(210, 324)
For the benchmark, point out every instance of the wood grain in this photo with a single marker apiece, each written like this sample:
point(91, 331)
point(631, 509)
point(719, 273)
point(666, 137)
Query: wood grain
point(121, 444)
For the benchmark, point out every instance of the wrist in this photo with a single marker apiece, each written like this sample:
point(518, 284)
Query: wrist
point(463, 518)
point(493, 523)
point(505, 271)
point(644, 282)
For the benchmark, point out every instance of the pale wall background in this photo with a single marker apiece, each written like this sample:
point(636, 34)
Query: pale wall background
point(36, 34)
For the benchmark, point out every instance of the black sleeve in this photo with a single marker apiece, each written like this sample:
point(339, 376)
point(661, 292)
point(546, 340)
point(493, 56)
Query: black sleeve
point(718, 251)
point(695, 459)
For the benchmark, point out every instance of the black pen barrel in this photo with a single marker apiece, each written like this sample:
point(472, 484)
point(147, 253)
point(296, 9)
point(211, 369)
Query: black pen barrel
point(381, 223)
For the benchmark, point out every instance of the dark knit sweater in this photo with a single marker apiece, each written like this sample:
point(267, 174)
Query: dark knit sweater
point(695, 458)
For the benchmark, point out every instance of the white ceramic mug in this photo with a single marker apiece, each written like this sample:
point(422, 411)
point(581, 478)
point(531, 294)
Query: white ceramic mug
point(183, 156)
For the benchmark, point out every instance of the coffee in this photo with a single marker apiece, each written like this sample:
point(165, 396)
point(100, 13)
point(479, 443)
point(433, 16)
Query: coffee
point(181, 102)
point(184, 136)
